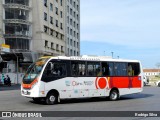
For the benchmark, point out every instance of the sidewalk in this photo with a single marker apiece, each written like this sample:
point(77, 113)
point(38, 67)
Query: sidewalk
point(13, 87)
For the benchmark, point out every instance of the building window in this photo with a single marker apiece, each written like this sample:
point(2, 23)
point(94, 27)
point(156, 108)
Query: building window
point(71, 2)
point(68, 41)
point(70, 11)
point(61, 2)
point(61, 14)
point(61, 37)
point(57, 47)
point(77, 26)
point(45, 29)
point(62, 49)
point(74, 14)
point(77, 7)
point(71, 42)
point(74, 33)
point(56, 10)
point(77, 45)
point(61, 26)
point(46, 43)
point(70, 31)
point(57, 34)
point(52, 45)
point(56, 23)
point(45, 16)
point(74, 43)
point(77, 16)
point(45, 3)
point(74, 4)
point(51, 32)
point(51, 20)
point(74, 24)
point(74, 53)
point(51, 6)
point(70, 21)
point(77, 35)
point(70, 51)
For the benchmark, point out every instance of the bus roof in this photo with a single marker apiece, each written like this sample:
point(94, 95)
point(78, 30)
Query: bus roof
point(92, 58)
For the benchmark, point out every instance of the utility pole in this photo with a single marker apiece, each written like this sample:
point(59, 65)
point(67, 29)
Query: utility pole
point(104, 53)
point(17, 66)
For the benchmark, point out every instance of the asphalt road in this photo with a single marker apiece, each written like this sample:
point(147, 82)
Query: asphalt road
point(148, 100)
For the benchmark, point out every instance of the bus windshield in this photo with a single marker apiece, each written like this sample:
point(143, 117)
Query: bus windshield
point(34, 70)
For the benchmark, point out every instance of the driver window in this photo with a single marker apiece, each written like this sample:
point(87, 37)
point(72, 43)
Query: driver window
point(56, 69)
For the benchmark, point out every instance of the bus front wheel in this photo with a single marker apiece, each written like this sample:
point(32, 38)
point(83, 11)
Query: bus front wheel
point(51, 99)
point(114, 95)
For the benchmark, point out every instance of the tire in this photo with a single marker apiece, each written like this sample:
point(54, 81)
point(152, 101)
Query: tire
point(51, 99)
point(159, 84)
point(114, 95)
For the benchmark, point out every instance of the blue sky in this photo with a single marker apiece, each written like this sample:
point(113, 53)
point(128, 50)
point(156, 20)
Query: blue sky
point(129, 28)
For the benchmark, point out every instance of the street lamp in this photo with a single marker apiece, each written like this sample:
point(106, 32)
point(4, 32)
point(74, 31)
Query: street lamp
point(112, 54)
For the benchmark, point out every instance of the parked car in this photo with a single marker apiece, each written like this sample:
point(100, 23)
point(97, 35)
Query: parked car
point(157, 83)
point(145, 80)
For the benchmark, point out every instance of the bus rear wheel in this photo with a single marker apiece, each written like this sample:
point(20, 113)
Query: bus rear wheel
point(114, 95)
point(51, 99)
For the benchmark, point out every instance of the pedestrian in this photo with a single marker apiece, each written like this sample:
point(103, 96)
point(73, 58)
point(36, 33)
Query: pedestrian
point(8, 80)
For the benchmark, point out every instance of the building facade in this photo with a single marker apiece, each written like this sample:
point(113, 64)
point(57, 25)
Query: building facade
point(72, 27)
point(34, 28)
point(48, 27)
point(16, 17)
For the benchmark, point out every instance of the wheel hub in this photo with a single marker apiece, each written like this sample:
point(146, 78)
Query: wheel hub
point(114, 95)
point(52, 98)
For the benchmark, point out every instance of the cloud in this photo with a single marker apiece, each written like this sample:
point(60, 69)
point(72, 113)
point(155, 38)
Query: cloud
point(131, 23)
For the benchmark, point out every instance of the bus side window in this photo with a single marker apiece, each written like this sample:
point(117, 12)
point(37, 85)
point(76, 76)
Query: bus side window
point(82, 69)
point(110, 68)
point(59, 69)
point(133, 69)
point(98, 69)
point(120, 68)
point(130, 70)
point(74, 68)
point(105, 69)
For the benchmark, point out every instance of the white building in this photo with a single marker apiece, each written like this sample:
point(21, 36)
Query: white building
point(49, 27)
point(72, 27)
point(151, 72)
point(37, 28)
